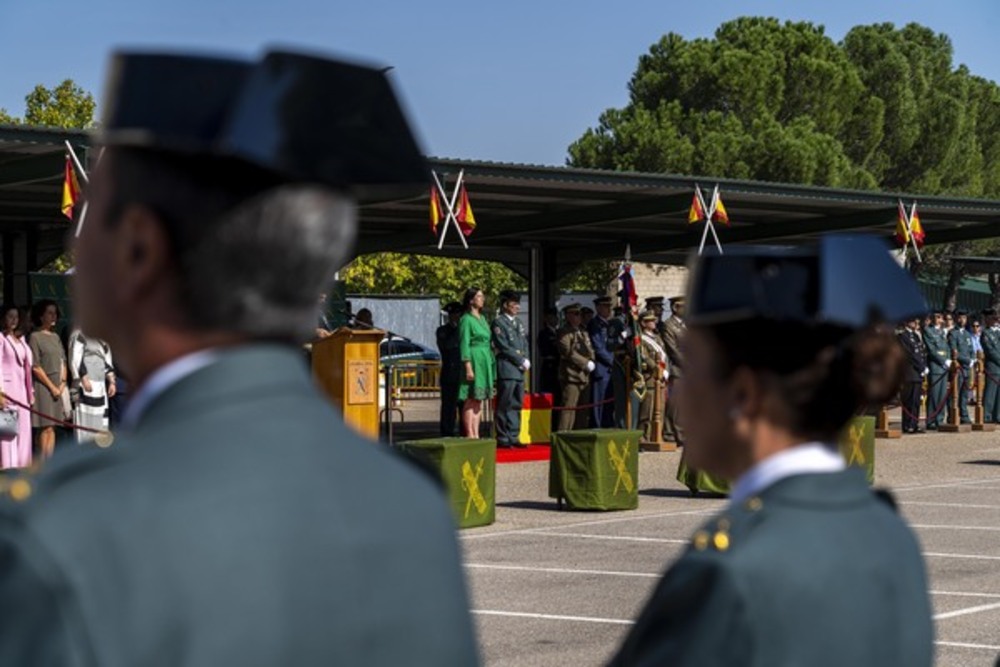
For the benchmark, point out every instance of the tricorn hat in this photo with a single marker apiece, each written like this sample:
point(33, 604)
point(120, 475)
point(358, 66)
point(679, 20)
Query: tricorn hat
point(453, 307)
point(507, 295)
point(298, 117)
point(846, 281)
point(602, 300)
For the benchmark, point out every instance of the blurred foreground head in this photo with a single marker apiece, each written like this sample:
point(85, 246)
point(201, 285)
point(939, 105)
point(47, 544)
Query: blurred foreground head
point(783, 348)
point(226, 195)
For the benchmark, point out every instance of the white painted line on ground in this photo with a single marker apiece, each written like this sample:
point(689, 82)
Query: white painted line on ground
point(581, 524)
point(562, 570)
point(985, 647)
point(965, 505)
point(553, 617)
point(969, 595)
point(946, 485)
point(969, 556)
point(969, 610)
point(926, 526)
point(623, 538)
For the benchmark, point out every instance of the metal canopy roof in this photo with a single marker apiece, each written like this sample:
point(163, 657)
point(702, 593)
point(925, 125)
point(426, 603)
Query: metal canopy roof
point(582, 214)
point(572, 214)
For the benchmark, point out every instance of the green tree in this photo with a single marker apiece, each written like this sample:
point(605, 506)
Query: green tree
point(66, 105)
point(883, 109)
point(394, 273)
point(6, 117)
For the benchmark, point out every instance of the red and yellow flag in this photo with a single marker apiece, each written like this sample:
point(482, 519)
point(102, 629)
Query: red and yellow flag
point(902, 230)
point(435, 211)
point(71, 189)
point(916, 229)
point(697, 211)
point(466, 219)
point(720, 214)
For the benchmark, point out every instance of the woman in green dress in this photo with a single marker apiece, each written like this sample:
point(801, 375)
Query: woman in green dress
point(477, 357)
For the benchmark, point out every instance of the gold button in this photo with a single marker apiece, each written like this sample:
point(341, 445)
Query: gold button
point(755, 504)
point(20, 490)
point(721, 541)
point(104, 439)
point(700, 540)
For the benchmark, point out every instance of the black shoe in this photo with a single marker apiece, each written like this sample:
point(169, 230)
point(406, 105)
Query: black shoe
point(932, 427)
point(918, 430)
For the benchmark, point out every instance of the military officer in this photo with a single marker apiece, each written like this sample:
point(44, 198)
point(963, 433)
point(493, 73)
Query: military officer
point(672, 332)
point(620, 338)
point(511, 347)
point(599, 330)
point(960, 344)
point(744, 592)
point(655, 371)
point(655, 304)
point(990, 340)
point(235, 519)
point(576, 363)
point(452, 369)
point(914, 372)
point(938, 363)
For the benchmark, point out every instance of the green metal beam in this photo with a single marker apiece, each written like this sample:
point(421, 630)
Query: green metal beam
point(32, 169)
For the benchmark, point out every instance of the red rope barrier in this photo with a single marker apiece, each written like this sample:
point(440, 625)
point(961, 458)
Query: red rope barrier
point(57, 422)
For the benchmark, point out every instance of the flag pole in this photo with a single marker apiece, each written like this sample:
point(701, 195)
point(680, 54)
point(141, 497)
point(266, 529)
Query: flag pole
point(715, 203)
point(704, 232)
point(76, 161)
point(451, 208)
point(909, 227)
point(83, 216)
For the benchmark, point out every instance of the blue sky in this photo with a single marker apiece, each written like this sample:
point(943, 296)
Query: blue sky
point(510, 81)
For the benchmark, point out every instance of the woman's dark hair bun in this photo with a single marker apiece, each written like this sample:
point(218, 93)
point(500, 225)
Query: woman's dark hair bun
point(877, 365)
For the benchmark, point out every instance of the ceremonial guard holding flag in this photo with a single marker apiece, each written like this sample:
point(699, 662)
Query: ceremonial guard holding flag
point(655, 371)
point(601, 339)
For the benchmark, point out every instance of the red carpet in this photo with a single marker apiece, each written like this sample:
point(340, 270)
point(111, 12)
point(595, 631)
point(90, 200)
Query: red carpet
point(519, 454)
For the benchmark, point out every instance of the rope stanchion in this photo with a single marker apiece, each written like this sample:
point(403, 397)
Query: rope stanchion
point(586, 406)
point(104, 438)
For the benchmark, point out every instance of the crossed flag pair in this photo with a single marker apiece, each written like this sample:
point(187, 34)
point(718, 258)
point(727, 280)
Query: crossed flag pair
point(462, 216)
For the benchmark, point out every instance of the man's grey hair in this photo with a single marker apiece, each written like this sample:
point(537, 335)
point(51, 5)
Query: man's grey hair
point(257, 269)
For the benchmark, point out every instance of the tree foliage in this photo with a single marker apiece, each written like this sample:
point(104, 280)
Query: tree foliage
point(66, 105)
point(765, 100)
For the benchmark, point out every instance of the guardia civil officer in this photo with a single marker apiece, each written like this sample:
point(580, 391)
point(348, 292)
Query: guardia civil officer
point(780, 351)
point(235, 520)
point(938, 363)
point(601, 339)
point(452, 370)
point(510, 345)
point(960, 344)
point(990, 341)
point(914, 372)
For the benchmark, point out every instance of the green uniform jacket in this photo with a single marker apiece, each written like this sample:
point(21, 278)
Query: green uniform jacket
point(511, 347)
point(815, 571)
point(990, 340)
point(960, 341)
point(239, 523)
point(938, 351)
point(673, 330)
point(575, 351)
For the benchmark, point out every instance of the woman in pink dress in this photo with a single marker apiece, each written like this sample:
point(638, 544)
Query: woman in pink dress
point(15, 371)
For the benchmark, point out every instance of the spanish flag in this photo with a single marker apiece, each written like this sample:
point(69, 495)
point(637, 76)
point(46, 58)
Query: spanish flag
point(465, 217)
point(435, 210)
point(71, 189)
point(720, 214)
point(916, 229)
point(697, 211)
point(902, 230)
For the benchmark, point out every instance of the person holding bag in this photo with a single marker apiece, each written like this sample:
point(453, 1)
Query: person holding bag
point(15, 369)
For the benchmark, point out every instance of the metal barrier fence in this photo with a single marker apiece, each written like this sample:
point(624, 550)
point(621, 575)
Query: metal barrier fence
point(416, 379)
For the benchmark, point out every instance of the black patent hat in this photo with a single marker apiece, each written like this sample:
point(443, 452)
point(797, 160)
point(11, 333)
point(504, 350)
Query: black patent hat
point(507, 296)
point(846, 281)
point(300, 117)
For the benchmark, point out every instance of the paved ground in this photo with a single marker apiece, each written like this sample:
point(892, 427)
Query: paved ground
point(561, 588)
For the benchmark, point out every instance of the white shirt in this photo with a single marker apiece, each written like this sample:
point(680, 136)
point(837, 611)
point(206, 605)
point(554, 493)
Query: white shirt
point(162, 379)
point(812, 457)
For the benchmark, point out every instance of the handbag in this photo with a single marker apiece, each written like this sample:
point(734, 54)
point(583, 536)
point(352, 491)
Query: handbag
point(8, 423)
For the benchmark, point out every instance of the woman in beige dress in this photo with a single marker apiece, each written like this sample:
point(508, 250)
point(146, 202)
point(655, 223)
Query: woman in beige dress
point(49, 370)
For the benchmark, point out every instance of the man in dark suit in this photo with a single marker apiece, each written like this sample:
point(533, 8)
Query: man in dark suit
point(914, 373)
point(511, 346)
point(601, 339)
point(452, 369)
point(235, 520)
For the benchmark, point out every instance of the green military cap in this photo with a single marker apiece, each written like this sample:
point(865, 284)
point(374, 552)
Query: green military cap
point(602, 301)
point(507, 295)
point(647, 315)
point(572, 308)
point(587, 309)
point(654, 301)
point(676, 299)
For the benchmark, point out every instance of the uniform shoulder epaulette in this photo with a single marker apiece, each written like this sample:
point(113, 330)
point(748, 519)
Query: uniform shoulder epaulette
point(718, 534)
point(18, 486)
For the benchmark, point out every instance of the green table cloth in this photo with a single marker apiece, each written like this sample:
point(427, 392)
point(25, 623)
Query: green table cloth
point(468, 469)
point(596, 469)
point(857, 444)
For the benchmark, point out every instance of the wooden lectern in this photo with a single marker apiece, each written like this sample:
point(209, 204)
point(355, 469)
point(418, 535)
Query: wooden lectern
point(346, 367)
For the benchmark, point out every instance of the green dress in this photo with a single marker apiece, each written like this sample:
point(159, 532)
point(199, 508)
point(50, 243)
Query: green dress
point(474, 345)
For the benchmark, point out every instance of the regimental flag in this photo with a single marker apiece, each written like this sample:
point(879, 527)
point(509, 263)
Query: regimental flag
point(902, 229)
point(916, 229)
point(71, 189)
point(466, 219)
point(435, 212)
point(697, 211)
point(720, 214)
point(628, 295)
